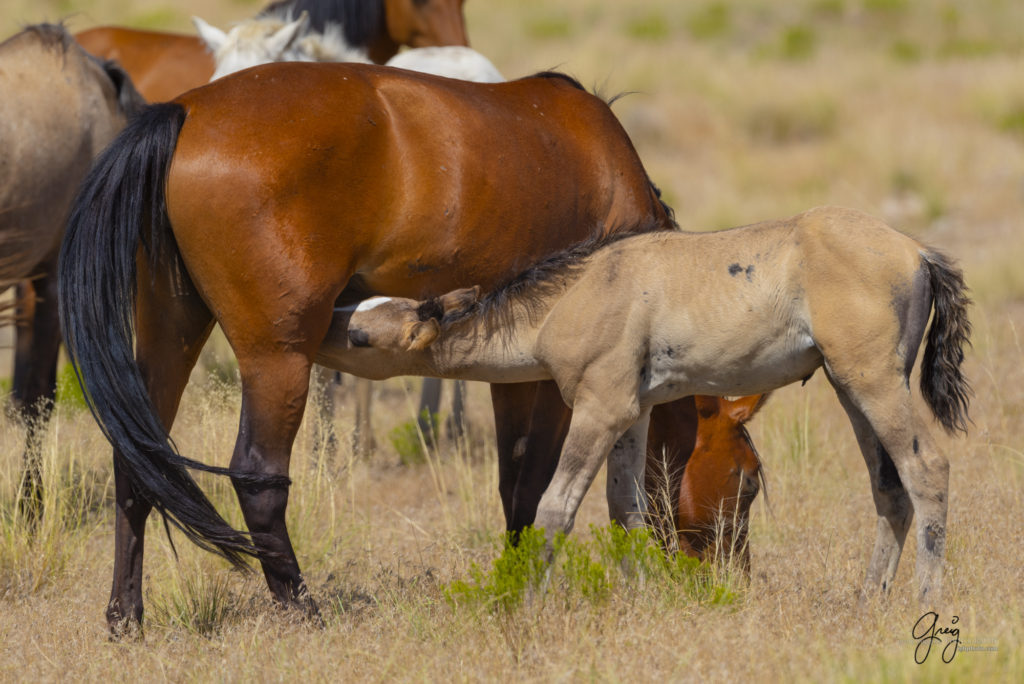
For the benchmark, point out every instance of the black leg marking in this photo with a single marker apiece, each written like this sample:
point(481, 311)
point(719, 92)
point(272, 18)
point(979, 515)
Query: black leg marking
point(888, 477)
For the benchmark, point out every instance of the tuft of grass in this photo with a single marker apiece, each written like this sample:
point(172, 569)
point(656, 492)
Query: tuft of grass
point(196, 600)
point(651, 26)
point(710, 22)
point(549, 28)
point(409, 441)
point(614, 562)
point(798, 42)
point(69, 390)
point(906, 51)
point(793, 121)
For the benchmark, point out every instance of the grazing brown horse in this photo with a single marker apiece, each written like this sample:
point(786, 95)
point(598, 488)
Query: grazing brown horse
point(59, 108)
point(262, 209)
point(671, 314)
point(164, 65)
point(704, 491)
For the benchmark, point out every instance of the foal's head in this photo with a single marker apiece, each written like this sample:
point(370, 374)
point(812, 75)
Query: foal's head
point(396, 324)
point(721, 479)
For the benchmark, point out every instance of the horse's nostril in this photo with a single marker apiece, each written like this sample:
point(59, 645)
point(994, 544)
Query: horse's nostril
point(358, 338)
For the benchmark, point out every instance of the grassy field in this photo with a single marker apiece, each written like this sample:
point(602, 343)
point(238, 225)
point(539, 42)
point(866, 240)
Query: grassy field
point(743, 110)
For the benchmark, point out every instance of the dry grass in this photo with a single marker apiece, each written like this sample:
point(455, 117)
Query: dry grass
point(746, 110)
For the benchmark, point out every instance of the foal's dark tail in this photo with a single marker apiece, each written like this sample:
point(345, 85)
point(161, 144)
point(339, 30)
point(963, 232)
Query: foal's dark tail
point(942, 380)
point(120, 205)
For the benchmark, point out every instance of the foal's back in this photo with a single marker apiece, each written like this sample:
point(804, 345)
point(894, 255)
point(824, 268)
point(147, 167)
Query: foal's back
point(734, 312)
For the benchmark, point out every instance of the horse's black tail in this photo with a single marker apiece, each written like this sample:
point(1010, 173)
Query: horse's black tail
point(942, 380)
point(120, 204)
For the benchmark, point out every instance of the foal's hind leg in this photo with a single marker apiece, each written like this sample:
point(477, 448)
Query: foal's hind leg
point(892, 502)
point(886, 404)
point(170, 329)
point(627, 500)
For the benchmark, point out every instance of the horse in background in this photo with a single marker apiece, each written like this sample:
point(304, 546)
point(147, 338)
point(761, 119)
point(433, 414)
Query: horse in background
point(60, 107)
point(702, 476)
point(742, 311)
point(265, 39)
point(163, 65)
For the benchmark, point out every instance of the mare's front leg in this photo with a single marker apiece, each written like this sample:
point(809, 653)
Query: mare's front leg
point(512, 404)
point(171, 328)
point(549, 424)
point(627, 500)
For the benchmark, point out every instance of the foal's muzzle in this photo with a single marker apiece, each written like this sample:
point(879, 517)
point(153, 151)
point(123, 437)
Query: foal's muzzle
point(358, 338)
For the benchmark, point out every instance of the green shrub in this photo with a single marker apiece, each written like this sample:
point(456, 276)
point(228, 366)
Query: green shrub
point(410, 442)
point(711, 21)
point(648, 27)
point(614, 563)
point(549, 27)
point(69, 391)
point(798, 42)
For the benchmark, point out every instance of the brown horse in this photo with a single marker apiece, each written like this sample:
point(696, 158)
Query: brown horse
point(703, 493)
point(262, 210)
point(60, 107)
point(164, 65)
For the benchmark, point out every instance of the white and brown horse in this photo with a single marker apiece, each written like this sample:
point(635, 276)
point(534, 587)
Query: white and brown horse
point(625, 324)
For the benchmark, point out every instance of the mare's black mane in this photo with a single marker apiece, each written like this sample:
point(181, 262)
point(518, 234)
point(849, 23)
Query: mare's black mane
point(360, 20)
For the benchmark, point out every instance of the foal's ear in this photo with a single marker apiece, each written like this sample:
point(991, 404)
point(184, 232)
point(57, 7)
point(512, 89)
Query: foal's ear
point(211, 35)
point(460, 301)
point(420, 335)
point(707, 407)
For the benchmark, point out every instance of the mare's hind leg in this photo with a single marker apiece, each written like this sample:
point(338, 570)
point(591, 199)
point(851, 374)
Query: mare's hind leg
point(274, 388)
point(35, 376)
point(627, 500)
point(171, 328)
point(892, 502)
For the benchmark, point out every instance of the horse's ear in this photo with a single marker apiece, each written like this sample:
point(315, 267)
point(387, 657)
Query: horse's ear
point(211, 35)
point(284, 36)
point(419, 335)
point(707, 407)
point(743, 409)
point(460, 301)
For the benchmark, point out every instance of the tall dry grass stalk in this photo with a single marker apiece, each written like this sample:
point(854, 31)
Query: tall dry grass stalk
point(745, 110)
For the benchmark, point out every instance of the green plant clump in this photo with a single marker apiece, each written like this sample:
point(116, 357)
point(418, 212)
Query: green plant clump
point(410, 442)
point(614, 563)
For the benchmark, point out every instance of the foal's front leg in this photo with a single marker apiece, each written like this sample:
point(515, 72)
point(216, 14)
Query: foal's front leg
point(627, 500)
point(593, 430)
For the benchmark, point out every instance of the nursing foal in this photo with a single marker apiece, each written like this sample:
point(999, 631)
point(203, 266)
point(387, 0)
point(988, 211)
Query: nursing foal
point(623, 324)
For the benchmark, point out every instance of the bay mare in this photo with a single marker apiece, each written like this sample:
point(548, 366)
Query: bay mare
point(390, 182)
point(740, 311)
point(59, 107)
point(163, 65)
